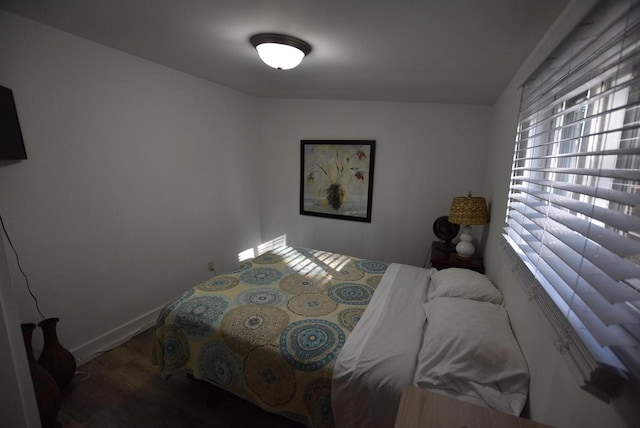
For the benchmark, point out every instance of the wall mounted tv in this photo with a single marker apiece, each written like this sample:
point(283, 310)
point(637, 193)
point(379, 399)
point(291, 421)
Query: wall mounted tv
point(11, 143)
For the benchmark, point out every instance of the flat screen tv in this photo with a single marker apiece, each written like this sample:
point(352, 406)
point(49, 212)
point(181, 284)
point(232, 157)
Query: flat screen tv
point(11, 143)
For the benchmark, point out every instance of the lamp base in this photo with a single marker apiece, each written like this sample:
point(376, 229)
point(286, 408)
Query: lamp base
point(465, 248)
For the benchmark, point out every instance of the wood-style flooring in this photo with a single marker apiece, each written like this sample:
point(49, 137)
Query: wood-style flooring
point(125, 390)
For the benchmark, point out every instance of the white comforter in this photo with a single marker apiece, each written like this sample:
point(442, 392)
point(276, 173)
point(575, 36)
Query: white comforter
point(381, 354)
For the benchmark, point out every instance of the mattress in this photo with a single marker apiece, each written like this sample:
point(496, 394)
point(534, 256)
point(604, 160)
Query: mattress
point(381, 354)
point(270, 331)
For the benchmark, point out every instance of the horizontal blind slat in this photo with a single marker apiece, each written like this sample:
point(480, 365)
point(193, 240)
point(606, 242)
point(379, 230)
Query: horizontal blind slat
point(614, 242)
point(576, 54)
point(556, 258)
point(546, 104)
point(612, 290)
point(625, 198)
point(605, 152)
point(551, 112)
point(606, 335)
point(581, 348)
point(609, 217)
point(537, 144)
point(622, 174)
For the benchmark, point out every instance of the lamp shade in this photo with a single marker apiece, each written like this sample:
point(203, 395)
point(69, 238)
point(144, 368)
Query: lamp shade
point(469, 210)
point(279, 51)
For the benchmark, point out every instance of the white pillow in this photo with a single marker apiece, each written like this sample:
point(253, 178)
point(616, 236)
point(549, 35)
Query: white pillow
point(463, 283)
point(469, 349)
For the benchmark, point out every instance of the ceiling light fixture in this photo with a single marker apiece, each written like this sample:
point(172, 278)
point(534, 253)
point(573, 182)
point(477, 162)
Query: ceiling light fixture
point(280, 51)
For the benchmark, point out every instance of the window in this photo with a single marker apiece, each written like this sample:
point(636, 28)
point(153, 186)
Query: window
point(573, 216)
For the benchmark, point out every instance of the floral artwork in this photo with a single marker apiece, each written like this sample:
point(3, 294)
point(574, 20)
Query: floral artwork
point(337, 178)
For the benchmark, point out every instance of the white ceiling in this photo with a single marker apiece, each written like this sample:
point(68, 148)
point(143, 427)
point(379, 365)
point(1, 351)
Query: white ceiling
point(442, 51)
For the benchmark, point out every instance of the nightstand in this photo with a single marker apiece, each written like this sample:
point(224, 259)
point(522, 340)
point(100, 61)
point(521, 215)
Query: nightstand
point(444, 260)
point(420, 408)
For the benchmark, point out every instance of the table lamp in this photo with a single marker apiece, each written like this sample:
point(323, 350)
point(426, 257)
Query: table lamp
point(466, 211)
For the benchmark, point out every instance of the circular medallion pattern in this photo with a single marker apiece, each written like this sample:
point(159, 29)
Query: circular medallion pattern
point(311, 344)
point(304, 268)
point(176, 349)
point(346, 272)
point(218, 283)
point(374, 280)
point(245, 327)
point(267, 259)
point(219, 365)
point(373, 267)
point(311, 305)
point(241, 268)
point(261, 296)
point(260, 276)
point(317, 400)
point(198, 316)
point(268, 376)
point(348, 318)
point(298, 284)
point(169, 308)
point(351, 293)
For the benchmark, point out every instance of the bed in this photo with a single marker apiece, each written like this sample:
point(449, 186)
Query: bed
point(330, 340)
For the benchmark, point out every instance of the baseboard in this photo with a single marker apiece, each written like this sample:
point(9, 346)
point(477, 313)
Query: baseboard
point(88, 351)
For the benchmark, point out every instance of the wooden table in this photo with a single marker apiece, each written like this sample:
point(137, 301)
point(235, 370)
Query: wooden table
point(443, 260)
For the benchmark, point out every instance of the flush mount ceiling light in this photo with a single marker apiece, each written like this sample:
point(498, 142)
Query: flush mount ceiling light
point(280, 51)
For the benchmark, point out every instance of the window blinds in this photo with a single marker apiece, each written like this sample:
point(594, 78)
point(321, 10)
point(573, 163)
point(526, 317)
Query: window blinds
point(573, 216)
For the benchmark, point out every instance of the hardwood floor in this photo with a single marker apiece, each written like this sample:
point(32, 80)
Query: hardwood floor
point(124, 389)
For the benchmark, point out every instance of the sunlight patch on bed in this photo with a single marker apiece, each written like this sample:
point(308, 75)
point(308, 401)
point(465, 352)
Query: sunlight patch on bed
point(250, 253)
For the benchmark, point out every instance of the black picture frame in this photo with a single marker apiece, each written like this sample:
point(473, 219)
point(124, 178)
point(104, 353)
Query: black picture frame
point(336, 178)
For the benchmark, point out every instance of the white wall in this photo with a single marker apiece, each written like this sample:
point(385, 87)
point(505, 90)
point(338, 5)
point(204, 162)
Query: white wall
point(555, 396)
point(425, 155)
point(137, 176)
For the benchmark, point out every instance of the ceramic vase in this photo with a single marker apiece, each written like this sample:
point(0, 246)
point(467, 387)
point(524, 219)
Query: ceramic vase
point(56, 359)
point(44, 385)
point(465, 248)
point(335, 196)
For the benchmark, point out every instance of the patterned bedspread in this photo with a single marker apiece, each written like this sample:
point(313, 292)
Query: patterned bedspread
point(270, 331)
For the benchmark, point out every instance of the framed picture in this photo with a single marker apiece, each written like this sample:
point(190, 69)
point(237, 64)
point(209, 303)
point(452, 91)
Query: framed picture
point(336, 178)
